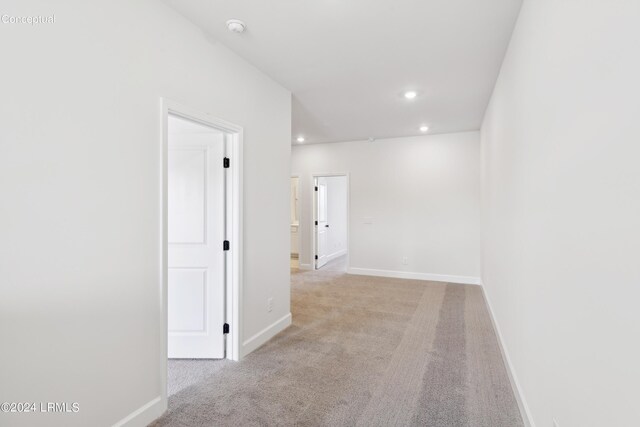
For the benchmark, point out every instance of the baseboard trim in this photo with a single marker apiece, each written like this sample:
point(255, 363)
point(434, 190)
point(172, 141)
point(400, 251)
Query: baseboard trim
point(305, 267)
point(265, 335)
point(467, 280)
point(144, 414)
point(513, 378)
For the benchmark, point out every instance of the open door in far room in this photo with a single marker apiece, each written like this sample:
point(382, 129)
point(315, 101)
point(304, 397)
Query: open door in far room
point(196, 231)
point(330, 207)
point(321, 221)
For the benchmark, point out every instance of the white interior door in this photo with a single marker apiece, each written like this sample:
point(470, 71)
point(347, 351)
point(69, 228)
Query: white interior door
point(196, 224)
point(322, 227)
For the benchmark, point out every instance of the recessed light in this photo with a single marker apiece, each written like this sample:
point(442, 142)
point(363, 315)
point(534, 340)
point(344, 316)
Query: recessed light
point(424, 128)
point(300, 139)
point(236, 25)
point(410, 94)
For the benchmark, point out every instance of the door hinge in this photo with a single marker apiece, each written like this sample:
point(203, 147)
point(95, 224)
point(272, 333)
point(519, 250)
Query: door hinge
point(226, 162)
point(316, 256)
point(316, 222)
point(225, 328)
point(225, 245)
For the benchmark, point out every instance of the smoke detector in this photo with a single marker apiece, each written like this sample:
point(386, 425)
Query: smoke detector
point(236, 25)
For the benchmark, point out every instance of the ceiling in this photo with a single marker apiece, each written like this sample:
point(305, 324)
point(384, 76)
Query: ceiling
point(348, 62)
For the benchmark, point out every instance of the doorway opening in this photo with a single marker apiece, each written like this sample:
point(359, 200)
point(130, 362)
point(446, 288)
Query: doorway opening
point(295, 223)
point(331, 222)
point(201, 237)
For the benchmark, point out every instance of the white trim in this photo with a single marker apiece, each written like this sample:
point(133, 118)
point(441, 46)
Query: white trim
point(234, 150)
point(467, 280)
point(266, 334)
point(144, 414)
point(305, 267)
point(233, 285)
point(525, 412)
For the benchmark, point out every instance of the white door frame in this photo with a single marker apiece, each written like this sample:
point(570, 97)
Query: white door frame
point(314, 214)
point(233, 229)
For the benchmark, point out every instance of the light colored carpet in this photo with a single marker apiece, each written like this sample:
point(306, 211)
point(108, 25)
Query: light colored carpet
point(361, 351)
point(183, 373)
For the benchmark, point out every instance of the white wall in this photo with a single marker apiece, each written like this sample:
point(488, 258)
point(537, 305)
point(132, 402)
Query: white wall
point(80, 187)
point(422, 195)
point(337, 203)
point(561, 210)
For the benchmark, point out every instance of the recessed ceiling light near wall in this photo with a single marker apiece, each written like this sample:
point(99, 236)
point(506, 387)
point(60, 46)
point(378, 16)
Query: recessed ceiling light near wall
point(300, 139)
point(424, 128)
point(411, 94)
point(236, 25)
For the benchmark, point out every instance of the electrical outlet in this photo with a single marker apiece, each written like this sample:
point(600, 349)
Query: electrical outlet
point(405, 260)
point(270, 304)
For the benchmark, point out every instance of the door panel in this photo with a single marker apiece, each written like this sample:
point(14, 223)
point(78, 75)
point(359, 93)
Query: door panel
point(187, 197)
point(196, 258)
point(188, 296)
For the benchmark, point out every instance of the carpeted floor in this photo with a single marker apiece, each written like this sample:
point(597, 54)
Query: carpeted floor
point(361, 351)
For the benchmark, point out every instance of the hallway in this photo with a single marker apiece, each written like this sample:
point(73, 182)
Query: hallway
point(362, 351)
